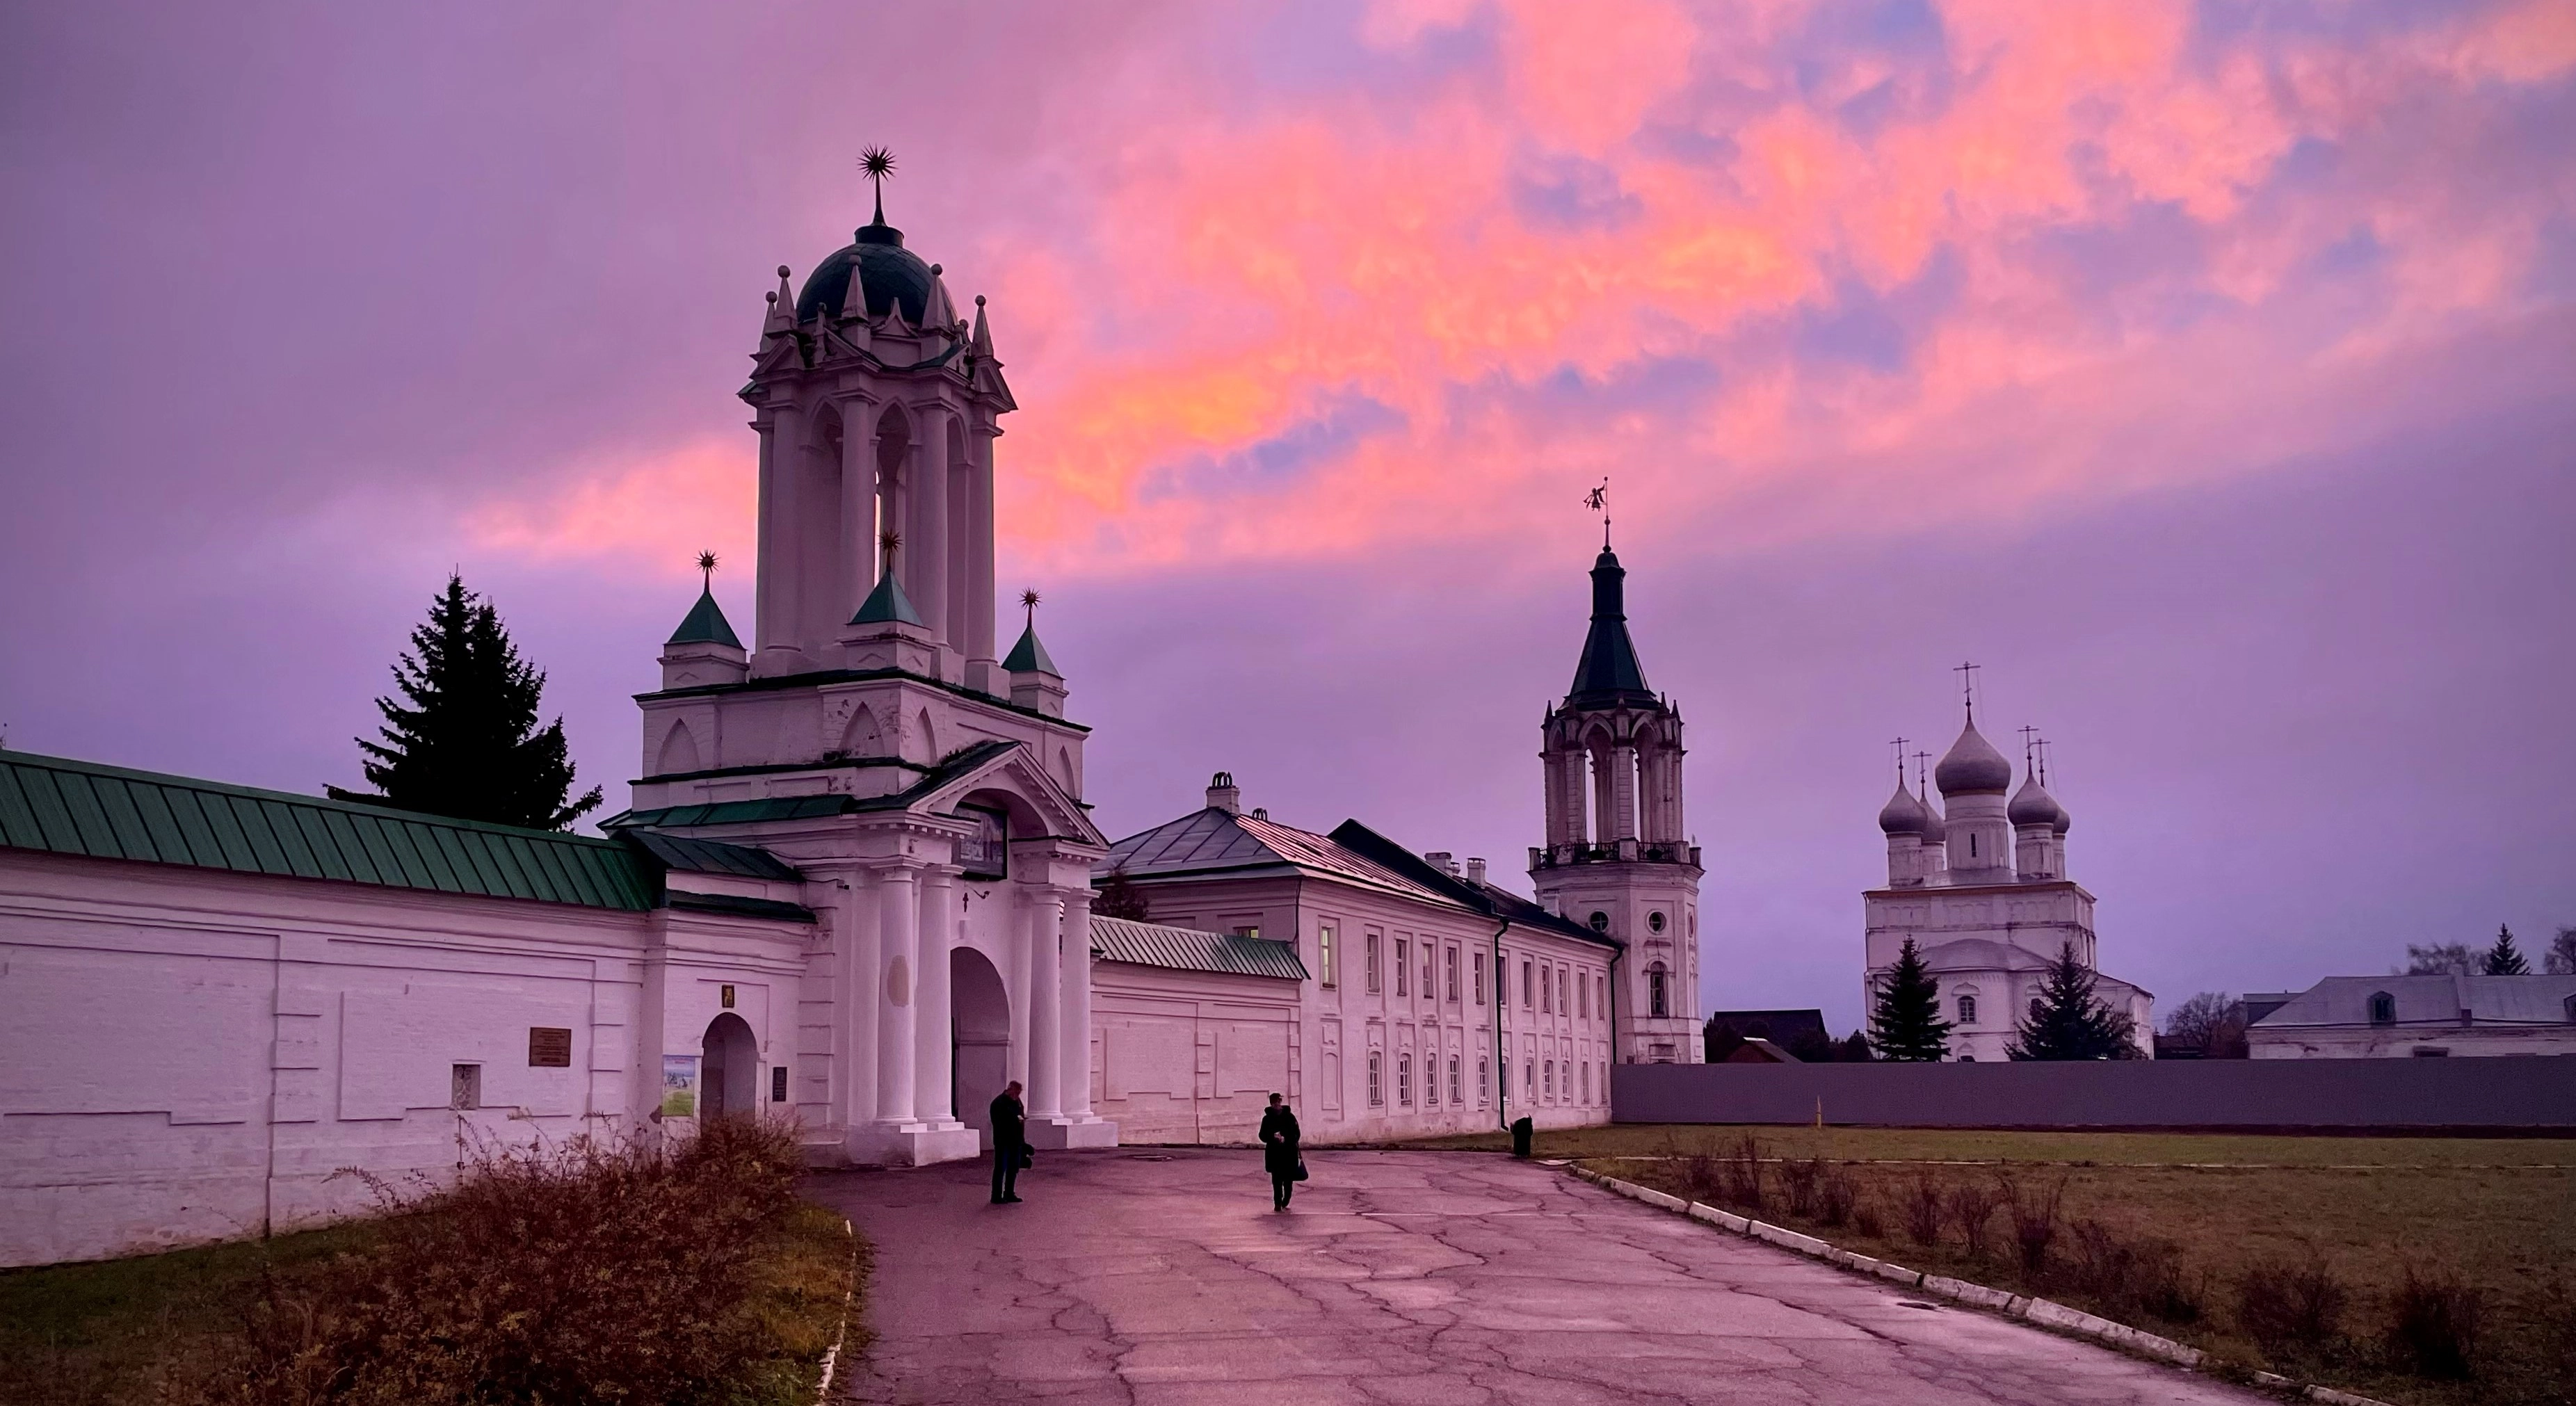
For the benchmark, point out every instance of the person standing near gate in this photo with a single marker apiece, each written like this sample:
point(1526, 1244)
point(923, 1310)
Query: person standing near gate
point(1279, 1154)
point(1010, 1124)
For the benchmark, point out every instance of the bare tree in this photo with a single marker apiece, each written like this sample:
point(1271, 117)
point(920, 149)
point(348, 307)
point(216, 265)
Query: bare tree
point(2560, 959)
point(2441, 959)
point(2213, 1021)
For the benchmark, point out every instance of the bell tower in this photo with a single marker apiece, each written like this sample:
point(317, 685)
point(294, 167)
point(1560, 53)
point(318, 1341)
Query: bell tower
point(1617, 857)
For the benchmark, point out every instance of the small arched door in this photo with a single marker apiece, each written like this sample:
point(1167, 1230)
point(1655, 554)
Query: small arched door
point(730, 1070)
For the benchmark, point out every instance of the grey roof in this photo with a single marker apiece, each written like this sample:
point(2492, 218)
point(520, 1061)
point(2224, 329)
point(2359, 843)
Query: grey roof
point(1187, 949)
point(60, 806)
point(705, 624)
point(684, 817)
point(1217, 841)
point(1981, 954)
point(2441, 999)
point(1608, 675)
point(695, 856)
point(889, 276)
point(1972, 766)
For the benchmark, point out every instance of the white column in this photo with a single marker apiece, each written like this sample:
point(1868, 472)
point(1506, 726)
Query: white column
point(856, 569)
point(1044, 912)
point(897, 923)
point(782, 464)
point(1075, 1076)
point(1623, 793)
point(1020, 981)
point(934, 1083)
point(979, 539)
point(856, 1093)
point(930, 483)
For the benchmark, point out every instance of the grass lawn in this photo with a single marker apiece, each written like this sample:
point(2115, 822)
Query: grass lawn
point(103, 1332)
point(2499, 1213)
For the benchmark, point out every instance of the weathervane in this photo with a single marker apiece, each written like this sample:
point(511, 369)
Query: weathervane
point(877, 163)
point(707, 567)
point(1598, 500)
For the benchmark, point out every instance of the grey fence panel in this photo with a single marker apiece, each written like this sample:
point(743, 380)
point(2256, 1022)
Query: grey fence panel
point(2537, 1092)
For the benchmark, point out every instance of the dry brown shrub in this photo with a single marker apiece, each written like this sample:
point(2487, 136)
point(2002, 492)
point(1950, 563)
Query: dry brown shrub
point(1798, 1183)
point(2433, 1322)
point(1866, 1220)
point(1972, 1209)
point(1745, 1176)
point(2035, 1221)
point(2291, 1305)
point(1835, 1194)
point(2144, 1274)
point(1924, 1209)
point(587, 1271)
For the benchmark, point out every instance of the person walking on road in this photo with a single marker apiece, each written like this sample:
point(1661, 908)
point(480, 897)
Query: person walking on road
point(1010, 1123)
point(1279, 1154)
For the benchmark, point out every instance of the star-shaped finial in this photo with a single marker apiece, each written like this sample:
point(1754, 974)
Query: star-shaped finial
point(889, 540)
point(877, 163)
point(1029, 602)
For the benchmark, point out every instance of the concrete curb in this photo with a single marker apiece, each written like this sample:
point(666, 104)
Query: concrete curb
point(2041, 1311)
point(841, 1334)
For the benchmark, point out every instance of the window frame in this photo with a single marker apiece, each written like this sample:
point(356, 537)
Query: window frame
point(1375, 945)
point(1377, 1079)
point(1403, 967)
point(1326, 973)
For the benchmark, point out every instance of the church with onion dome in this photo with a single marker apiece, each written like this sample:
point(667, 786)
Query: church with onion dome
point(1978, 879)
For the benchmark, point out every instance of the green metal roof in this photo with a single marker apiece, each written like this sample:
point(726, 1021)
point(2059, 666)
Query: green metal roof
point(700, 813)
point(706, 624)
point(1030, 655)
point(61, 806)
point(1187, 949)
point(887, 602)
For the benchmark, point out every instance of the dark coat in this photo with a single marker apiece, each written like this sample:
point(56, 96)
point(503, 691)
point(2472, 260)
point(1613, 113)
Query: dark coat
point(1279, 1142)
point(1010, 1122)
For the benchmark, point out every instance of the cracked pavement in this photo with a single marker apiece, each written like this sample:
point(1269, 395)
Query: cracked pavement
point(1400, 1277)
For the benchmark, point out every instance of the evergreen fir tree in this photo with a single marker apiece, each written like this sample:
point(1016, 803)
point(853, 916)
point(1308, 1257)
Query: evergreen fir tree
point(2068, 1022)
point(2504, 959)
point(1119, 897)
point(467, 743)
point(1906, 1023)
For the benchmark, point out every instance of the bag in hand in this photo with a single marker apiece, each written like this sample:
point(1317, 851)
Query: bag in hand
point(1301, 1169)
point(1028, 1158)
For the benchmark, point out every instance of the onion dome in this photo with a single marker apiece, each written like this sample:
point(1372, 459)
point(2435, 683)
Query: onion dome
point(2064, 822)
point(1902, 815)
point(1972, 767)
point(887, 275)
point(1936, 831)
point(2032, 805)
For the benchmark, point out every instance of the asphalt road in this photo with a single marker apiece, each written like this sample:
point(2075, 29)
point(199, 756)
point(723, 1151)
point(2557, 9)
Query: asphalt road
point(1162, 1276)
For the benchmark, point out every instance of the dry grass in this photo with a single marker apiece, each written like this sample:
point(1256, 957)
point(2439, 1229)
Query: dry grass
point(2169, 1231)
point(587, 1272)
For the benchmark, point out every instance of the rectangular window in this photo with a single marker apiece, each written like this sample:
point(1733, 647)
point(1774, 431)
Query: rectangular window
point(1453, 1081)
point(1529, 984)
point(1583, 995)
point(1548, 1086)
point(1453, 975)
point(778, 1084)
point(1248, 930)
point(1587, 1081)
point(1561, 976)
point(1484, 1077)
point(1480, 986)
point(465, 1086)
point(1402, 969)
point(1324, 972)
point(1429, 991)
point(1404, 1079)
point(1377, 1079)
point(1430, 1081)
point(1373, 978)
point(1529, 1081)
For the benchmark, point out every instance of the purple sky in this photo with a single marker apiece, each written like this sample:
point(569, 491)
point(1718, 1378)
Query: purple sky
point(2202, 371)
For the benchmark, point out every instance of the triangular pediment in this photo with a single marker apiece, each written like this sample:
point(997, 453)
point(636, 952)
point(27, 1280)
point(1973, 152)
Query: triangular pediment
point(1014, 768)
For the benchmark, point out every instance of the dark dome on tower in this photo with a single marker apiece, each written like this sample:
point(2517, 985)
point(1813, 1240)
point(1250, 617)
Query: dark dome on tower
point(889, 276)
point(1972, 767)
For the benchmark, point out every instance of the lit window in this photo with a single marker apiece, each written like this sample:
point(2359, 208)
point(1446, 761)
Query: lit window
point(1248, 930)
point(1377, 1079)
point(1402, 981)
point(1324, 970)
point(1373, 980)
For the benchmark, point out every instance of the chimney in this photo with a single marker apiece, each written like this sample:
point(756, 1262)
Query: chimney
point(1475, 871)
point(1258, 813)
point(1223, 794)
point(1439, 859)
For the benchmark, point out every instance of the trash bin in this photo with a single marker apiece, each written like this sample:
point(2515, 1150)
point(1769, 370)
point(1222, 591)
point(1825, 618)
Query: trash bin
point(1521, 1138)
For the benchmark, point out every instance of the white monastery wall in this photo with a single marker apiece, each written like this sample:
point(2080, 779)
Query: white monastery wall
point(197, 1055)
point(1192, 1057)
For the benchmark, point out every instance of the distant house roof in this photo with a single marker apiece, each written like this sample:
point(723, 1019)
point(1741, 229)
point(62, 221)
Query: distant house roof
point(1187, 949)
point(1786, 1027)
point(61, 806)
point(2447, 999)
point(1218, 841)
point(1756, 1050)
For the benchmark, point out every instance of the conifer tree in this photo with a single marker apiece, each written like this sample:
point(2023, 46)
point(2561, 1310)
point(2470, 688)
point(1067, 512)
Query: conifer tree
point(1120, 898)
point(2068, 1022)
point(1906, 1023)
point(2504, 959)
point(465, 743)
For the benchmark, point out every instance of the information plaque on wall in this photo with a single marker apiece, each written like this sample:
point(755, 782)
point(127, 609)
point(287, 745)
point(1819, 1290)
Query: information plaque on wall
point(549, 1047)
